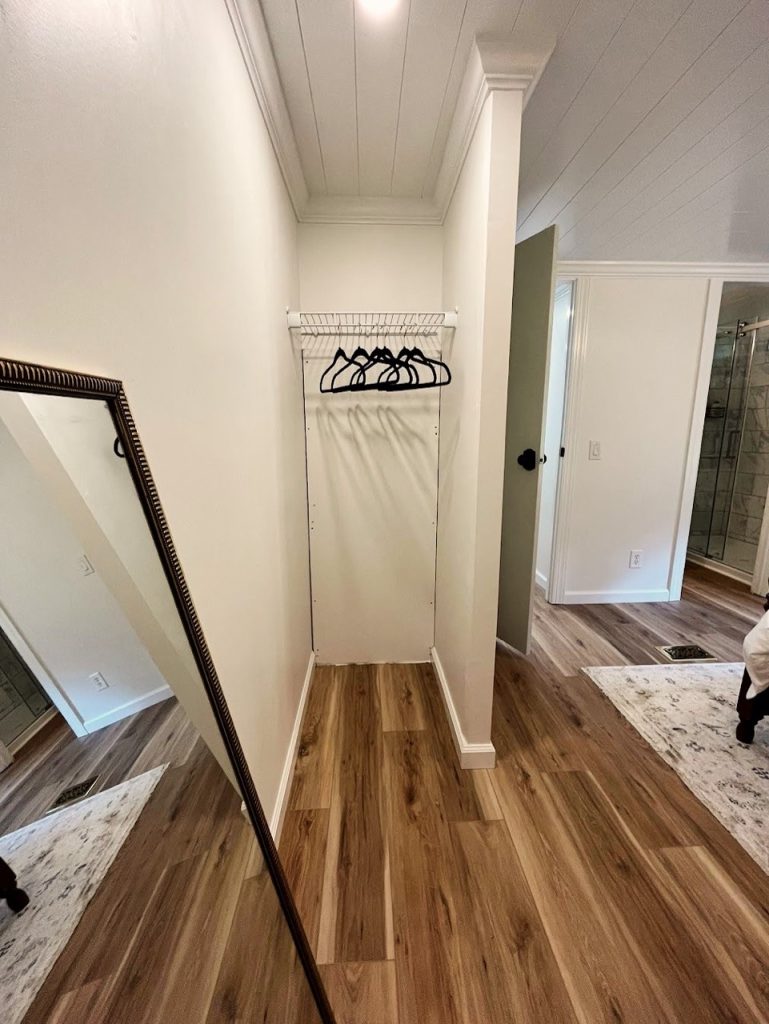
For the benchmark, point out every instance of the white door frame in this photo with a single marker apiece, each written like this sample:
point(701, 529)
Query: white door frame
point(556, 581)
point(47, 683)
point(581, 274)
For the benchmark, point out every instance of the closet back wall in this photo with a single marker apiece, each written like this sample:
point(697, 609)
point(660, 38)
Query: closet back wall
point(372, 459)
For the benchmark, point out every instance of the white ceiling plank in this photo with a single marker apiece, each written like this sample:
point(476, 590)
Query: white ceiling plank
point(626, 85)
point(736, 102)
point(283, 29)
point(676, 161)
point(579, 49)
point(728, 177)
point(380, 45)
point(329, 46)
point(434, 27)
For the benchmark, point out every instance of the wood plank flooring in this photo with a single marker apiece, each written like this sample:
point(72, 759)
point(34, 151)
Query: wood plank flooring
point(186, 927)
point(578, 881)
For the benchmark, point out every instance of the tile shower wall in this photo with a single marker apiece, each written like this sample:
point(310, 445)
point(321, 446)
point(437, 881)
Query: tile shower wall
point(21, 699)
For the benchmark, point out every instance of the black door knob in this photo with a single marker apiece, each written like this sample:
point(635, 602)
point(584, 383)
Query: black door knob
point(528, 459)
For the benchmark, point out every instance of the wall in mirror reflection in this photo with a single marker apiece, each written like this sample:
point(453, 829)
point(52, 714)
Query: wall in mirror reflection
point(97, 678)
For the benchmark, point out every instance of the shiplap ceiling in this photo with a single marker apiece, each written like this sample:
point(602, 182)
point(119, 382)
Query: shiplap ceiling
point(646, 138)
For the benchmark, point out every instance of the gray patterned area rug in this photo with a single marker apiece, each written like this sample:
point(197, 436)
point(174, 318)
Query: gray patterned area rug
point(687, 713)
point(60, 861)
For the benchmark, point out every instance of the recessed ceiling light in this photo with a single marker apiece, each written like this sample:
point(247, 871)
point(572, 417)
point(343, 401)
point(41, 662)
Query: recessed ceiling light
point(379, 8)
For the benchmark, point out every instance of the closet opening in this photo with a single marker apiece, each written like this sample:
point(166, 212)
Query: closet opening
point(728, 531)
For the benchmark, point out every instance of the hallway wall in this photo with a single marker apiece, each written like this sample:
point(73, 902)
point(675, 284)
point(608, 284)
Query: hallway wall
point(147, 235)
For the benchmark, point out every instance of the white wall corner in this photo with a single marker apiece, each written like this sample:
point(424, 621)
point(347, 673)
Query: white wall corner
point(255, 46)
point(281, 800)
point(471, 755)
point(131, 707)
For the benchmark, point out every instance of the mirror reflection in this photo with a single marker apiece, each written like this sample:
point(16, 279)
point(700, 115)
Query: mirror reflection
point(133, 886)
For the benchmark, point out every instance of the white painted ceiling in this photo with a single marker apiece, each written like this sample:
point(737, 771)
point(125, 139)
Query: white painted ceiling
point(646, 138)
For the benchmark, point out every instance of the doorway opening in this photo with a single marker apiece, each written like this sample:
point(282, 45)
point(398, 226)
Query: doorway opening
point(733, 472)
point(553, 434)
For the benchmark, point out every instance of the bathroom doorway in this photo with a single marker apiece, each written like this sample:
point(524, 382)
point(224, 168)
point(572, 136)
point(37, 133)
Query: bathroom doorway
point(733, 472)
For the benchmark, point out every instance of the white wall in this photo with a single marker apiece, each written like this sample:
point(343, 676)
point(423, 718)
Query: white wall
point(479, 240)
point(81, 434)
point(554, 409)
point(68, 443)
point(71, 622)
point(147, 235)
point(374, 267)
point(372, 458)
point(638, 355)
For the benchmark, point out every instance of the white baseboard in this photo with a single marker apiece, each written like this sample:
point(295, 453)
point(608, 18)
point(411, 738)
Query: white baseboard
point(471, 755)
point(131, 707)
point(281, 800)
point(614, 596)
point(541, 579)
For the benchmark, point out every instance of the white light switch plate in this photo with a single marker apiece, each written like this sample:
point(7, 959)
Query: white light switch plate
point(595, 450)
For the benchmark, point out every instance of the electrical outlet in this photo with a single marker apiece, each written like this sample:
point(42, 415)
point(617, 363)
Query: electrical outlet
point(98, 680)
point(595, 450)
point(636, 559)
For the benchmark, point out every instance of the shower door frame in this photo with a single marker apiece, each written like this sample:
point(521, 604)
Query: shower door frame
point(753, 273)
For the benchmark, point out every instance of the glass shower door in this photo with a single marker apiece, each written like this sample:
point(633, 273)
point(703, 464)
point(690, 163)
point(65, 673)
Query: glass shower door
point(733, 474)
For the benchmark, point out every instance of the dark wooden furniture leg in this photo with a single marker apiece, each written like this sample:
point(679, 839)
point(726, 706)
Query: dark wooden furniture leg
point(750, 711)
point(15, 897)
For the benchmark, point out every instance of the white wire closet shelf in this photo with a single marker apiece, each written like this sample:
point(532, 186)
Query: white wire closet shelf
point(370, 325)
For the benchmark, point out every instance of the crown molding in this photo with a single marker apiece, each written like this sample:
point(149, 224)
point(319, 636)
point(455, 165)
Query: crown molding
point(492, 65)
point(369, 210)
point(647, 268)
point(256, 49)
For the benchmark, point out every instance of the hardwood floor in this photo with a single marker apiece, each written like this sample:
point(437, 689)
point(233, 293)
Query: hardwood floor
point(186, 927)
point(577, 881)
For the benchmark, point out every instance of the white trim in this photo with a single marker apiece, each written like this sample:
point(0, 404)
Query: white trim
point(32, 730)
point(645, 268)
point(696, 421)
point(566, 474)
point(369, 210)
point(281, 800)
point(55, 693)
point(541, 579)
point(614, 596)
point(255, 47)
point(130, 707)
point(471, 755)
point(719, 567)
point(492, 66)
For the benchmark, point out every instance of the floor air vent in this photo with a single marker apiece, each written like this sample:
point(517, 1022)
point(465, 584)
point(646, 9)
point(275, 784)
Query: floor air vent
point(72, 794)
point(686, 652)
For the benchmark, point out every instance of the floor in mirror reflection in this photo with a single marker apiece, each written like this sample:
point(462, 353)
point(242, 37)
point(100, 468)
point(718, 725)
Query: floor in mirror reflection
point(185, 926)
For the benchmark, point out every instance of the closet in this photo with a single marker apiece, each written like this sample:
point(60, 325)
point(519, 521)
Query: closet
point(373, 384)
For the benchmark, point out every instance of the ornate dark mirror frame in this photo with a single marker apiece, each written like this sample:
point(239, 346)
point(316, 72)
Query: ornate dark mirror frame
point(21, 376)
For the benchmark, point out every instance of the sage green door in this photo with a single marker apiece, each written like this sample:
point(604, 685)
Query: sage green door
point(533, 287)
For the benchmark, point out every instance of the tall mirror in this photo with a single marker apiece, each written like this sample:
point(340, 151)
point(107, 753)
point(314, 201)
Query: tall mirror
point(134, 887)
